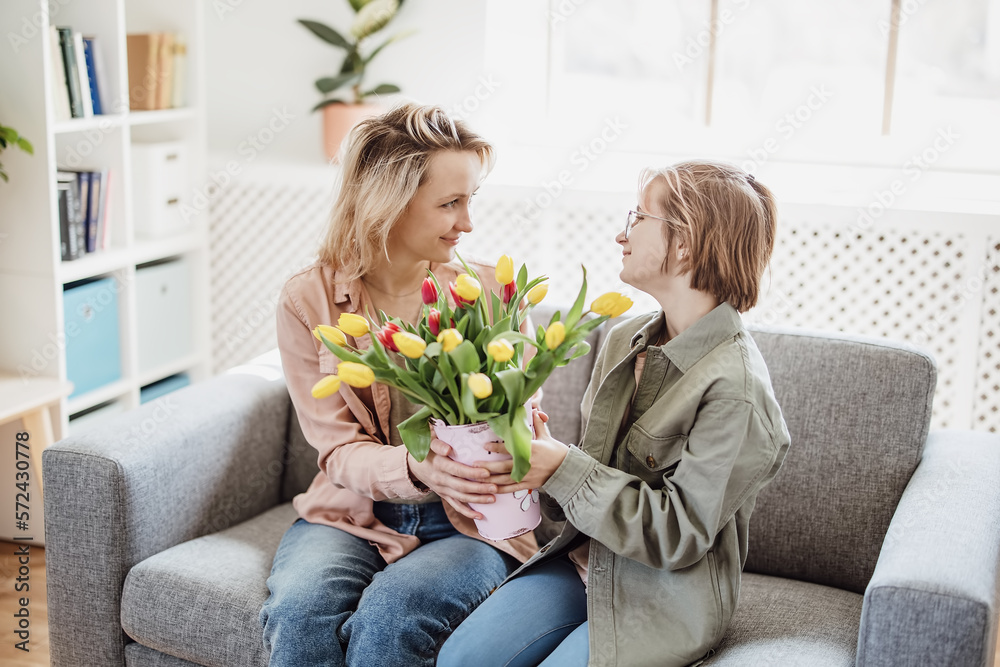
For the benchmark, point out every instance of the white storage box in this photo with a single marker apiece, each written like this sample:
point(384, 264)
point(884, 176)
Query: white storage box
point(164, 320)
point(160, 187)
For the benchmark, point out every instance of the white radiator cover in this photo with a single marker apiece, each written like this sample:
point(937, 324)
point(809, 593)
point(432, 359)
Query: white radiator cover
point(928, 278)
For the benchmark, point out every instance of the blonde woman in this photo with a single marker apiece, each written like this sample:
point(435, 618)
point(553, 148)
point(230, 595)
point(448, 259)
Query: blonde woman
point(681, 432)
point(384, 559)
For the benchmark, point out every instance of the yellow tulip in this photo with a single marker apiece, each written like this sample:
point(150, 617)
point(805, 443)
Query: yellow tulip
point(537, 293)
point(624, 303)
point(607, 303)
point(449, 339)
point(328, 386)
point(353, 325)
point(505, 270)
point(332, 334)
point(409, 345)
point(554, 335)
point(501, 350)
point(355, 374)
point(468, 287)
point(480, 385)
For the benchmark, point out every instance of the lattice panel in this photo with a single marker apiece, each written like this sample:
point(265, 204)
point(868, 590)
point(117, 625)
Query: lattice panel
point(916, 285)
point(899, 285)
point(986, 413)
point(260, 235)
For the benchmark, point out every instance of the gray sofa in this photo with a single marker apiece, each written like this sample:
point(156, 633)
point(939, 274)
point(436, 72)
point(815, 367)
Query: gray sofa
point(876, 544)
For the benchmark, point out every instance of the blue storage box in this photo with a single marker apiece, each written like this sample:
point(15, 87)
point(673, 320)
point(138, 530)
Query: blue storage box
point(93, 345)
point(163, 387)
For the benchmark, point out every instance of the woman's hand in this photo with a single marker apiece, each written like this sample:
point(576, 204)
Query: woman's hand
point(547, 454)
point(456, 483)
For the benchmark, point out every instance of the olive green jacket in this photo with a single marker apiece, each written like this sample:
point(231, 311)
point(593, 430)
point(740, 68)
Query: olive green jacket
point(667, 501)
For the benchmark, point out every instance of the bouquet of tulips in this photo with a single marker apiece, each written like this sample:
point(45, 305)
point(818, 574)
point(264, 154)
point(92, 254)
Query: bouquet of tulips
point(465, 364)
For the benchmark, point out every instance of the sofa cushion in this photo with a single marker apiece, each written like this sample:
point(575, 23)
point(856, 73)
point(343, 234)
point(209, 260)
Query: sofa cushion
point(137, 655)
point(858, 411)
point(200, 600)
point(786, 622)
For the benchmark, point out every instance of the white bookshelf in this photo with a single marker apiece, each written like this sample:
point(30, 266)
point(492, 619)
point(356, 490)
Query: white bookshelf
point(32, 274)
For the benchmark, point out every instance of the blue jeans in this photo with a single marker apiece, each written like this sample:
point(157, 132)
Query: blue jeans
point(334, 601)
point(537, 618)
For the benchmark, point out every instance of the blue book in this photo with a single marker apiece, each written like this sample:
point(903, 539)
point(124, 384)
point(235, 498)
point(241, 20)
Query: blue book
point(88, 55)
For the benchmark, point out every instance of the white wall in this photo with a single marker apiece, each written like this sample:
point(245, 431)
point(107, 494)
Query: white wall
point(259, 58)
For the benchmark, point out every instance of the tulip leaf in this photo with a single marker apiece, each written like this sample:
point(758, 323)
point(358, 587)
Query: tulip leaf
point(501, 427)
point(517, 337)
point(522, 277)
point(416, 433)
point(512, 381)
point(578, 351)
point(433, 350)
point(574, 313)
point(326, 33)
point(496, 304)
point(344, 354)
point(465, 357)
point(520, 445)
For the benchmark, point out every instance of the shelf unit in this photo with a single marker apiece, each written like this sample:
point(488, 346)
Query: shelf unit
point(32, 274)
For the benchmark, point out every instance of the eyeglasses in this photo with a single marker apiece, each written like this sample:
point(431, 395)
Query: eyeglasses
point(634, 217)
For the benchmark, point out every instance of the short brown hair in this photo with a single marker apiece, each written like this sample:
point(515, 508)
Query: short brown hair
point(727, 221)
point(384, 160)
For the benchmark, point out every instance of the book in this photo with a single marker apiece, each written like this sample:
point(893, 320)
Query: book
point(102, 219)
point(107, 104)
point(96, 204)
point(95, 93)
point(81, 69)
point(72, 75)
point(180, 64)
point(62, 189)
point(143, 70)
point(74, 238)
point(60, 93)
point(165, 71)
point(83, 187)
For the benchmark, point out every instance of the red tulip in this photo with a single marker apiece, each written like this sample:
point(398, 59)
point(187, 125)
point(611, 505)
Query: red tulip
point(434, 321)
point(429, 291)
point(457, 297)
point(385, 336)
point(509, 290)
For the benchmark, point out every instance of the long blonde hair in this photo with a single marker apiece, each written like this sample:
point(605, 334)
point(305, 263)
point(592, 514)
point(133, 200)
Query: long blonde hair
point(384, 161)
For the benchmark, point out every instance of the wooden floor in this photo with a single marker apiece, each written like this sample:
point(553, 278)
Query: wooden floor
point(38, 638)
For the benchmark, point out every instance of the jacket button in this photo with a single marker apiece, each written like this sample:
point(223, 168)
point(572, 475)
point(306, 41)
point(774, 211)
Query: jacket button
point(650, 461)
point(544, 549)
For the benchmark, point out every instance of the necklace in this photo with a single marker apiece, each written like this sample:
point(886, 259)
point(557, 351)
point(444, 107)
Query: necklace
point(411, 320)
point(382, 291)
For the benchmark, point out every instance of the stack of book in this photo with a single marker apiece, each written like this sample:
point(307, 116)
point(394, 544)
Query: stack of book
point(83, 212)
point(156, 62)
point(79, 82)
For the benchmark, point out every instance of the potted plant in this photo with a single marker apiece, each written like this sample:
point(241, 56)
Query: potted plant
point(345, 93)
point(11, 137)
point(464, 364)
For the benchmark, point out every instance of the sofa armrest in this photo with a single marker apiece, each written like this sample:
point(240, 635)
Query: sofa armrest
point(190, 463)
point(933, 597)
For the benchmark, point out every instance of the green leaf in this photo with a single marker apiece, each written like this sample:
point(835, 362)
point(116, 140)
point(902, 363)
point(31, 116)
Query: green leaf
point(416, 433)
point(522, 277)
point(433, 350)
point(512, 380)
point(578, 351)
point(326, 103)
point(574, 313)
point(395, 38)
point(374, 16)
point(327, 34)
point(501, 426)
point(465, 357)
point(520, 446)
point(382, 89)
point(518, 337)
point(328, 84)
point(356, 5)
point(25, 146)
